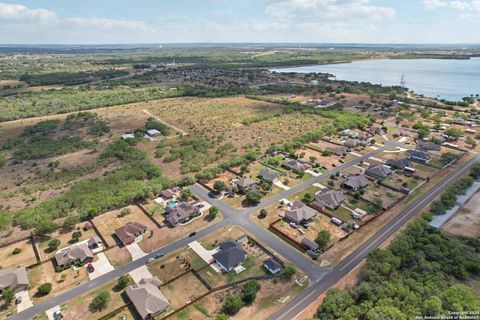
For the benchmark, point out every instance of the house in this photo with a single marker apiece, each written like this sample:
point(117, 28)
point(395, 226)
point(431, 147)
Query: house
point(295, 166)
point(147, 298)
point(329, 198)
point(299, 213)
point(339, 151)
point(428, 146)
point(230, 255)
point(15, 279)
point(399, 164)
point(350, 143)
point(153, 133)
point(79, 253)
point(459, 121)
point(181, 213)
point(356, 183)
point(379, 171)
point(170, 193)
point(127, 136)
point(130, 231)
point(418, 156)
point(94, 243)
point(326, 138)
point(310, 245)
point(272, 266)
point(245, 184)
point(268, 175)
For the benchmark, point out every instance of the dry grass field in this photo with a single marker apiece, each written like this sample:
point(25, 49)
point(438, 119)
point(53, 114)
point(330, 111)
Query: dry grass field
point(466, 222)
point(24, 258)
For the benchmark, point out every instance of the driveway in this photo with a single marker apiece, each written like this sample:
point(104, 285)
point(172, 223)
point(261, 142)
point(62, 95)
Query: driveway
point(26, 302)
point(50, 313)
point(140, 273)
point(101, 266)
point(135, 251)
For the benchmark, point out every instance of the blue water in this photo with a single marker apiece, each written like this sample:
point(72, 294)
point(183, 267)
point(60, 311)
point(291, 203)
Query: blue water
point(172, 203)
point(444, 79)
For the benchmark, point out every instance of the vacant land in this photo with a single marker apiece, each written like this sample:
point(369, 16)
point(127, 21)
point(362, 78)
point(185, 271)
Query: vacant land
point(183, 290)
point(466, 222)
point(17, 254)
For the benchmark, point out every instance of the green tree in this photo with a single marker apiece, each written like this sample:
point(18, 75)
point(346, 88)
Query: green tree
point(44, 288)
point(100, 302)
point(249, 291)
point(253, 196)
point(53, 244)
point(454, 133)
point(432, 307)
point(232, 304)
point(8, 295)
point(70, 222)
point(122, 282)
point(475, 170)
point(307, 197)
point(263, 214)
point(323, 239)
point(334, 305)
point(213, 212)
point(76, 236)
point(45, 227)
point(186, 194)
point(385, 312)
point(219, 186)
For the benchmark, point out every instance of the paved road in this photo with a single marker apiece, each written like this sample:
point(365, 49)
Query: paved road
point(231, 217)
point(302, 301)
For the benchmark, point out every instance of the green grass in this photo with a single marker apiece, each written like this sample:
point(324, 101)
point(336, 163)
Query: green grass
point(183, 315)
point(202, 309)
point(340, 213)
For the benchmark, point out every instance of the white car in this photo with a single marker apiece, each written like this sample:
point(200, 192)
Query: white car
point(150, 260)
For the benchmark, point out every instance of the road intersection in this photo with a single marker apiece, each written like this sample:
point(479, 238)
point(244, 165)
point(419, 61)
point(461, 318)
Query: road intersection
point(320, 278)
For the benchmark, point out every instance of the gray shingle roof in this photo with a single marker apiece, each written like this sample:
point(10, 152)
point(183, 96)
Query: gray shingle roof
point(231, 254)
point(147, 299)
point(15, 279)
point(379, 171)
point(330, 198)
point(300, 212)
point(268, 175)
point(79, 252)
point(357, 182)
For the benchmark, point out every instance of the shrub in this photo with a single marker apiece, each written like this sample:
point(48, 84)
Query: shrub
point(233, 303)
point(212, 212)
point(100, 301)
point(53, 244)
point(249, 291)
point(16, 251)
point(44, 288)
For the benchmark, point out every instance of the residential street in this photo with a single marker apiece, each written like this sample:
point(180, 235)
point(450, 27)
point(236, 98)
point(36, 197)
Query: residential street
point(320, 278)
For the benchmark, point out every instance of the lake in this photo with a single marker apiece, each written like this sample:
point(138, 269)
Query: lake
point(441, 78)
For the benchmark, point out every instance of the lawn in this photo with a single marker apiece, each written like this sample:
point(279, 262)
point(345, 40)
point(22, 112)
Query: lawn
point(24, 258)
point(183, 290)
point(65, 238)
point(78, 308)
point(61, 281)
point(118, 256)
point(174, 264)
point(341, 213)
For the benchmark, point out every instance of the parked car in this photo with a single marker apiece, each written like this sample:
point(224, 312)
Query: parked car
point(18, 300)
point(150, 260)
point(159, 255)
point(192, 234)
point(90, 268)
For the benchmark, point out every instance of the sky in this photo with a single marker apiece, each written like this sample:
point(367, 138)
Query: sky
point(233, 21)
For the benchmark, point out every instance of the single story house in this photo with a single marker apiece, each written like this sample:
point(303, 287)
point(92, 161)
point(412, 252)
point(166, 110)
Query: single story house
point(295, 166)
point(272, 265)
point(379, 171)
point(329, 198)
point(230, 255)
point(399, 164)
point(147, 298)
point(310, 245)
point(130, 231)
point(127, 136)
point(356, 183)
point(15, 279)
point(300, 213)
point(79, 253)
point(170, 193)
point(245, 184)
point(153, 133)
point(339, 151)
point(181, 213)
point(94, 243)
point(351, 143)
point(428, 145)
point(268, 175)
point(418, 156)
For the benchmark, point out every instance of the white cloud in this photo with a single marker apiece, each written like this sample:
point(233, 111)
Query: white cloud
point(19, 12)
point(456, 5)
point(110, 24)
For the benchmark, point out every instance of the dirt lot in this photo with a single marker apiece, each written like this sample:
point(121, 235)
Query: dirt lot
point(118, 256)
point(174, 264)
point(79, 307)
point(108, 222)
point(65, 240)
point(24, 258)
point(466, 222)
point(46, 273)
point(183, 290)
point(388, 197)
